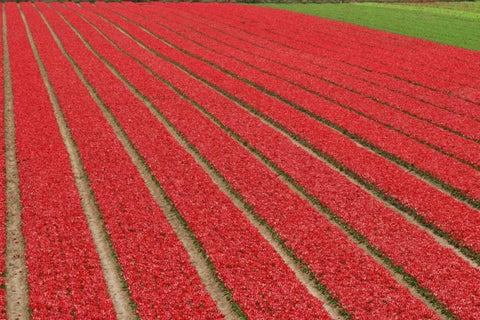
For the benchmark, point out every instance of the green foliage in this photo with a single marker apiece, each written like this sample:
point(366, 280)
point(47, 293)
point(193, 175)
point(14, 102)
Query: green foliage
point(457, 23)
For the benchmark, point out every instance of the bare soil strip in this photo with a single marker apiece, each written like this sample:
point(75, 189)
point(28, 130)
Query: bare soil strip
point(409, 214)
point(15, 267)
point(116, 284)
point(198, 257)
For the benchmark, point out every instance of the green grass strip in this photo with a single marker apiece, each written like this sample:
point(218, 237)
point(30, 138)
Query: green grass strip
point(462, 14)
point(447, 25)
point(465, 6)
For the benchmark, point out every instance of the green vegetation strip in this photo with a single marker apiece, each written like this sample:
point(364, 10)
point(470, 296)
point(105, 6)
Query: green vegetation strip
point(456, 24)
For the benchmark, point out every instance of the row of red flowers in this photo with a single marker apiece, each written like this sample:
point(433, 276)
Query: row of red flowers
point(444, 167)
point(406, 49)
point(322, 80)
point(441, 211)
point(338, 64)
point(242, 133)
point(64, 272)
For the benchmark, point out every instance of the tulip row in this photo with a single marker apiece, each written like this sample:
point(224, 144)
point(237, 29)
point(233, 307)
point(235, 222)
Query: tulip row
point(306, 75)
point(445, 168)
point(445, 212)
point(274, 153)
point(349, 47)
point(446, 55)
point(64, 272)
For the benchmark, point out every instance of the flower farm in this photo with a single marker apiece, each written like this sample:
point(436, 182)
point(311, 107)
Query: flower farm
point(206, 161)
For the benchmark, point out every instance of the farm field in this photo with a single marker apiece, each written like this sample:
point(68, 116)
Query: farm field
point(454, 23)
point(207, 161)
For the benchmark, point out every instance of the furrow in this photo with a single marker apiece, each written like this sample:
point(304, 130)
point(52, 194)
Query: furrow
point(16, 272)
point(3, 190)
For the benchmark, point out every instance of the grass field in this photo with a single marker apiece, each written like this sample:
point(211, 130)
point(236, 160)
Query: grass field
point(455, 23)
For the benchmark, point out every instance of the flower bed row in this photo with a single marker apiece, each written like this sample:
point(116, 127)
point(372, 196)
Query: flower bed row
point(64, 272)
point(417, 49)
point(220, 131)
point(350, 120)
point(347, 47)
point(370, 46)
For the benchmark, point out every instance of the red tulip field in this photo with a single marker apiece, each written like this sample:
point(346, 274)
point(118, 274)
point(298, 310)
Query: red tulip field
point(207, 161)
